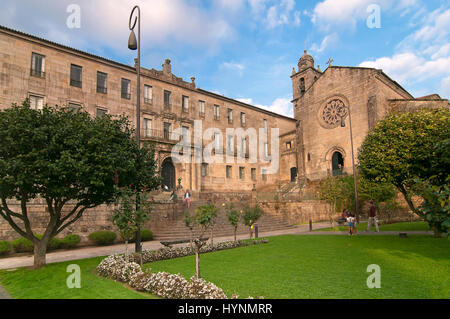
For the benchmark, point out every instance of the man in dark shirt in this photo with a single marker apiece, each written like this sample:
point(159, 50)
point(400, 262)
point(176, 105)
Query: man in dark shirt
point(372, 217)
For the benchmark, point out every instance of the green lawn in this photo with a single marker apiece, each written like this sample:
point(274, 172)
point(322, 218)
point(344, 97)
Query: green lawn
point(49, 282)
point(404, 226)
point(326, 267)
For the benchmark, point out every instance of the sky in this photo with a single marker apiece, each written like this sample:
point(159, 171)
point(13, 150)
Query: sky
point(246, 49)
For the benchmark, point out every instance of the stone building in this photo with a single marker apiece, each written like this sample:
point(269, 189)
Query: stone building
point(312, 145)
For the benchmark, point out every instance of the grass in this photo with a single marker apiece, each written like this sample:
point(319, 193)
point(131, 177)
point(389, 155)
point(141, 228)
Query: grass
point(403, 226)
point(326, 267)
point(49, 282)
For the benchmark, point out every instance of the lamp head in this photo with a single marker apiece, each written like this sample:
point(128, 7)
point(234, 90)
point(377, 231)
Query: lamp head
point(132, 42)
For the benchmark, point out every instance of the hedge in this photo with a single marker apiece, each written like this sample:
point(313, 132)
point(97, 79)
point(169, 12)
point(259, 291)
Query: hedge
point(5, 247)
point(103, 237)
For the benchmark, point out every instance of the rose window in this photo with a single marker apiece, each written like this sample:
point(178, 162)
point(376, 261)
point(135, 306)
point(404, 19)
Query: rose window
point(333, 112)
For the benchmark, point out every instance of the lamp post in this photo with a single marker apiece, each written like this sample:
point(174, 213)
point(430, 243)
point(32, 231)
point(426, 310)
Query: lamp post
point(353, 161)
point(135, 44)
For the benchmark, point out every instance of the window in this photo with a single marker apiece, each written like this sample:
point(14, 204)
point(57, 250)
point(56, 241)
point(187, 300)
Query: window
point(126, 89)
point(230, 144)
point(309, 157)
point(185, 103)
point(74, 106)
point(243, 147)
point(302, 85)
point(101, 112)
point(201, 108)
point(37, 65)
point(265, 124)
point(101, 82)
point(229, 171)
point(217, 146)
point(216, 112)
point(266, 150)
point(204, 169)
point(253, 173)
point(36, 102)
point(264, 175)
point(167, 131)
point(148, 128)
point(241, 172)
point(185, 133)
point(75, 75)
point(167, 102)
point(288, 145)
point(242, 119)
point(230, 116)
point(148, 94)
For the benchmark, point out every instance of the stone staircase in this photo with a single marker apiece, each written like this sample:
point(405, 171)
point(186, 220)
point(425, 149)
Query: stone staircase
point(176, 230)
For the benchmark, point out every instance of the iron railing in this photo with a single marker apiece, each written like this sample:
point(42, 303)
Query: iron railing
point(37, 73)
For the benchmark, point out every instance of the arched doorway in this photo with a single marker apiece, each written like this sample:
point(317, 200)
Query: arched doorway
point(293, 174)
point(168, 174)
point(337, 163)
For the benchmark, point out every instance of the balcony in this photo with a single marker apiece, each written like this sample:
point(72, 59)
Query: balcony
point(75, 83)
point(148, 100)
point(102, 89)
point(201, 114)
point(230, 121)
point(167, 107)
point(37, 73)
point(160, 135)
point(216, 117)
point(126, 96)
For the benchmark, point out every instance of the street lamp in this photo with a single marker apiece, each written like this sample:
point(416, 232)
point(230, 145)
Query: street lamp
point(353, 160)
point(135, 44)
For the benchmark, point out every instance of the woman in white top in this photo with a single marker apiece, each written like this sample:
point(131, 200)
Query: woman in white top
point(187, 198)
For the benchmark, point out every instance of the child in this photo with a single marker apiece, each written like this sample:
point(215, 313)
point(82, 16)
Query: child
point(351, 224)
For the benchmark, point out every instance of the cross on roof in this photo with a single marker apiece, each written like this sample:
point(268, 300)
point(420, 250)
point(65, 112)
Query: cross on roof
point(330, 60)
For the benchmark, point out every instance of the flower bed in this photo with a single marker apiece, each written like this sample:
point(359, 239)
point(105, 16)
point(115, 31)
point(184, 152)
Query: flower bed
point(163, 284)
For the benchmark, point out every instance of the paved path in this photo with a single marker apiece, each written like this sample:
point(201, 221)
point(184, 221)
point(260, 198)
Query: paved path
point(90, 252)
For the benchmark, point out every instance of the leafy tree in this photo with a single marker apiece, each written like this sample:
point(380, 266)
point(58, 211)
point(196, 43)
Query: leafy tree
point(127, 217)
point(189, 222)
point(204, 217)
point(333, 191)
point(233, 215)
point(66, 158)
point(250, 215)
point(402, 148)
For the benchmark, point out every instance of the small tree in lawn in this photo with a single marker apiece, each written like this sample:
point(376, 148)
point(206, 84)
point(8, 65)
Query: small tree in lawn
point(332, 190)
point(126, 217)
point(189, 222)
point(233, 215)
point(204, 218)
point(64, 157)
point(250, 215)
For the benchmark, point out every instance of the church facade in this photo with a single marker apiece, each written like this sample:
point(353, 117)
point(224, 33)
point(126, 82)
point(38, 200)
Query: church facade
point(339, 105)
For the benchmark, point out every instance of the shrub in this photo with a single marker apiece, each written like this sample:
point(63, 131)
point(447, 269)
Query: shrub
point(5, 247)
point(103, 237)
point(146, 235)
point(70, 241)
point(22, 245)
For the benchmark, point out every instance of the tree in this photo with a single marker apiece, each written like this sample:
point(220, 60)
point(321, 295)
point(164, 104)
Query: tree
point(127, 217)
point(204, 218)
point(233, 215)
point(65, 157)
point(250, 215)
point(189, 222)
point(401, 149)
point(332, 190)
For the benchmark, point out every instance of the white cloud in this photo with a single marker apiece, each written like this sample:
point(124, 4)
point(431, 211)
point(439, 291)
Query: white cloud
point(410, 68)
point(281, 106)
point(106, 25)
point(281, 13)
point(233, 66)
point(326, 42)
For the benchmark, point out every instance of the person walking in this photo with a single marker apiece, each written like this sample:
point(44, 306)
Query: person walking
point(351, 224)
point(372, 217)
point(187, 198)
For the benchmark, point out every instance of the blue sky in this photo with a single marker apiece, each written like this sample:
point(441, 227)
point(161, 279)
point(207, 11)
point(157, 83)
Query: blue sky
point(245, 49)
